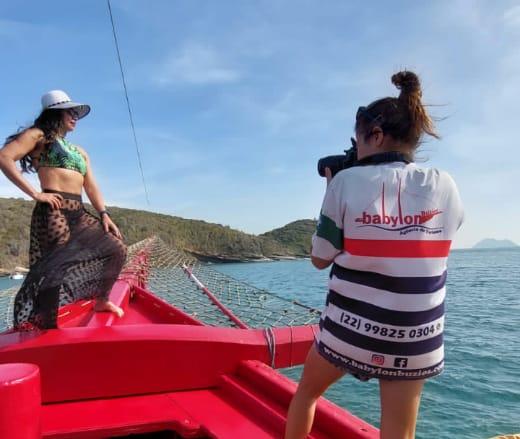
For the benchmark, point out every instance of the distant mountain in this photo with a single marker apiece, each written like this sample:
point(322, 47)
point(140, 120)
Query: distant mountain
point(495, 243)
point(295, 236)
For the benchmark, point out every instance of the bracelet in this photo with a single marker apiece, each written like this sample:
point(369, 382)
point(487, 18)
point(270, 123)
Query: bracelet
point(103, 212)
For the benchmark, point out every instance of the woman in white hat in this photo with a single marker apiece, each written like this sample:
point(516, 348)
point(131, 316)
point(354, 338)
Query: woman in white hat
point(73, 254)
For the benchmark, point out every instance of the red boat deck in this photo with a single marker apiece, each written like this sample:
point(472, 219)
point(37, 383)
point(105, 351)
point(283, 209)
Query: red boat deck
point(159, 370)
point(237, 408)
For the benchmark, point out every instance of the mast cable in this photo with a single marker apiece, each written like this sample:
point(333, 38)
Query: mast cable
point(128, 101)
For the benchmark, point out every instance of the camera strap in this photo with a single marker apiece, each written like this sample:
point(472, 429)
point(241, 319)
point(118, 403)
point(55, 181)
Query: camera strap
point(384, 157)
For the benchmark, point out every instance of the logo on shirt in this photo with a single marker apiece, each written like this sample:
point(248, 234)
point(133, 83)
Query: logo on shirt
point(400, 362)
point(403, 222)
point(378, 359)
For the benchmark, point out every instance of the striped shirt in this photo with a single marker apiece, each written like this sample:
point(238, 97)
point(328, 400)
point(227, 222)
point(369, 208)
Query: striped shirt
point(388, 228)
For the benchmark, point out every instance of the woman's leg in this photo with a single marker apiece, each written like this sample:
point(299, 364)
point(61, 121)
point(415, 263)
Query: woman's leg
point(318, 375)
point(103, 304)
point(109, 255)
point(36, 303)
point(117, 255)
point(399, 408)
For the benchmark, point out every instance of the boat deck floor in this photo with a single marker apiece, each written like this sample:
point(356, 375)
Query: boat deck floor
point(193, 414)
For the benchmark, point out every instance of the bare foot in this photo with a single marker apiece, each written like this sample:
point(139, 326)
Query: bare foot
point(106, 305)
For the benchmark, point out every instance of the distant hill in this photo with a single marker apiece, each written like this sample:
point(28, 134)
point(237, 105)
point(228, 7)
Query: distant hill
point(207, 241)
point(495, 243)
point(295, 236)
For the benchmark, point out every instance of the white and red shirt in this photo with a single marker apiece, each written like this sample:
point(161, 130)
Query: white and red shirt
point(388, 228)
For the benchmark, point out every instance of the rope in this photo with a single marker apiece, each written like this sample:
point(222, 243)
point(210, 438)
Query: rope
point(212, 297)
point(127, 100)
point(313, 332)
point(271, 344)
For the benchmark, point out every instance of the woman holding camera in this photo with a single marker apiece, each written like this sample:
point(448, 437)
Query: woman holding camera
point(73, 255)
point(386, 227)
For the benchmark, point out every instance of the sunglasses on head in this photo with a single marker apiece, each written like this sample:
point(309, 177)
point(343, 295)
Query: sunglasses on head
point(364, 111)
point(375, 121)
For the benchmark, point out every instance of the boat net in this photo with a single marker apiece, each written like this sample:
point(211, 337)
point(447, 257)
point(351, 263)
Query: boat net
point(200, 290)
point(6, 307)
point(191, 285)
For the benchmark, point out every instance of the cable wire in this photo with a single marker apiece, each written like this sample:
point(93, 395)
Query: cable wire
point(127, 100)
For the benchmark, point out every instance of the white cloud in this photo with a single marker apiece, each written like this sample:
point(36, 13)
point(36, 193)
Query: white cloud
point(196, 64)
point(512, 16)
point(12, 28)
point(16, 31)
point(277, 170)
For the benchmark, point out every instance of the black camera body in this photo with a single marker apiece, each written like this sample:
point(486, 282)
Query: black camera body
point(337, 163)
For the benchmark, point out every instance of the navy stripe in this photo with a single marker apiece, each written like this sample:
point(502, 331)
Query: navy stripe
point(382, 346)
point(383, 315)
point(402, 285)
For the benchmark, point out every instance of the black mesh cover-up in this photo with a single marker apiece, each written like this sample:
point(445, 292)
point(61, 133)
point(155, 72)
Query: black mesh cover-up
point(71, 258)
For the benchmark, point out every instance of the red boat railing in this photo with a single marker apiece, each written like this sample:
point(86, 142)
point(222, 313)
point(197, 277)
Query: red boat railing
point(157, 368)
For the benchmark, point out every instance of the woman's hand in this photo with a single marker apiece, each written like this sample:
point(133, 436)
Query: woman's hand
point(109, 226)
point(328, 175)
point(55, 200)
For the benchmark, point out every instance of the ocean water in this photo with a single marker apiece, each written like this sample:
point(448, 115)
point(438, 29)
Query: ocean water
point(6, 301)
point(5, 283)
point(478, 395)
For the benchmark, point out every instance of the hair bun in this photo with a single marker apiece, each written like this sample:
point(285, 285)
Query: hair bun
point(408, 82)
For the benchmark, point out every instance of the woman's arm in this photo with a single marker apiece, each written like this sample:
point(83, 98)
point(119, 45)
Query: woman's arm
point(94, 195)
point(91, 187)
point(15, 150)
point(327, 241)
point(319, 263)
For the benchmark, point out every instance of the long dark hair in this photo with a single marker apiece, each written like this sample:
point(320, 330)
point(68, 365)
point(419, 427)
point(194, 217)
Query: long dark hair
point(404, 118)
point(51, 123)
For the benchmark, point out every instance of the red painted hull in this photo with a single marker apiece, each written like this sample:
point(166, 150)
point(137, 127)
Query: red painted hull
point(158, 369)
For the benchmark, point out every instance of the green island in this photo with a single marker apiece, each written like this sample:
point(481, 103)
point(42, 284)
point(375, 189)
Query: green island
point(206, 241)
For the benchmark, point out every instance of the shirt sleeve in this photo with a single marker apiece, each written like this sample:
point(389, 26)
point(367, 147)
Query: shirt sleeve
point(460, 209)
point(455, 202)
point(327, 241)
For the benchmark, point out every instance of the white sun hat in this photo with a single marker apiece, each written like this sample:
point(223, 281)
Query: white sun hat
point(59, 100)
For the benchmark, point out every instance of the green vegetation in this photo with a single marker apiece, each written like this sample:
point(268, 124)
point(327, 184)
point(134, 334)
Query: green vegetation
point(295, 236)
point(15, 219)
point(204, 240)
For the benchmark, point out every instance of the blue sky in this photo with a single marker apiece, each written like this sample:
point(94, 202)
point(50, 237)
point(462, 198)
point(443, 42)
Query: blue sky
point(235, 101)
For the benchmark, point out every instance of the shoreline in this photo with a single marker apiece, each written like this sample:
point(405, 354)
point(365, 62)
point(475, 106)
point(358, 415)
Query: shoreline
point(214, 259)
point(226, 259)
point(5, 272)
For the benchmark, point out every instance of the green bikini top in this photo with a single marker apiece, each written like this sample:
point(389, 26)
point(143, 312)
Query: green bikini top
point(63, 154)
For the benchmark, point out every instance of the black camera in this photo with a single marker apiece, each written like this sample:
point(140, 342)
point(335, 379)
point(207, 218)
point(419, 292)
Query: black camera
point(337, 163)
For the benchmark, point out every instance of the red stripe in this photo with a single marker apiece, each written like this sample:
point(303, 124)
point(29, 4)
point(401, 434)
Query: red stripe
point(384, 248)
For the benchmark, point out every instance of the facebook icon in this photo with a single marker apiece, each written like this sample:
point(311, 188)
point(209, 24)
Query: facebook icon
point(400, 362)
